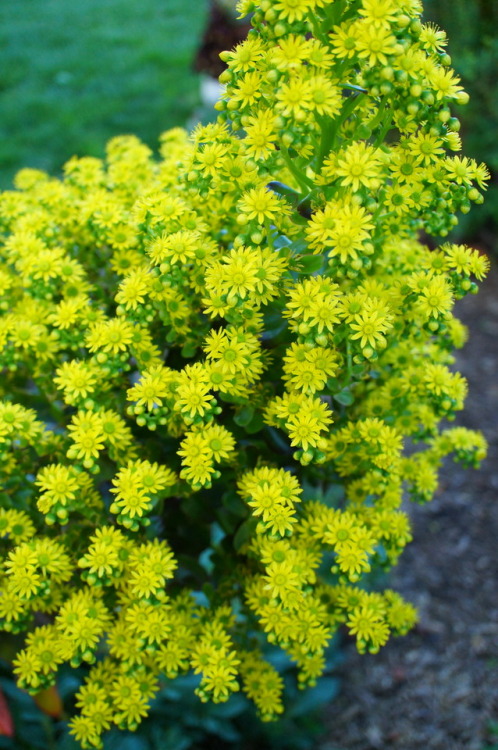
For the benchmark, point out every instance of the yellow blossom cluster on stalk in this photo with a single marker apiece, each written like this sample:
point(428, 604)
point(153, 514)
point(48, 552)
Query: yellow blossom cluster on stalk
point(212, 363)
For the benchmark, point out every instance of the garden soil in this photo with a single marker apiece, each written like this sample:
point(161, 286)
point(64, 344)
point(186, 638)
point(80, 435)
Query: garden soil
point(437, 688)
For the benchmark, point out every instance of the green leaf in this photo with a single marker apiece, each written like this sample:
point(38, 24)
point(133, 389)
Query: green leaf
point(228, 398)
point(171, 738)
point(310, 263)
point(333, 495)
point(275, 323)
point(205, 560)
point(192, 565)
point(208, 592)
point(189, 351)
point(234, 706)
point(281, 241)
point(325, 691)
point(234, 504)
point(222, 729)
point(255, 425)
point(299, 246)
point(124, 741)
point(291, 195)
point(358, 370)
point(228, 521)
point(279, 441)
point(344, 397)
point(244, 533)
point(244, 416)
point(353, 87)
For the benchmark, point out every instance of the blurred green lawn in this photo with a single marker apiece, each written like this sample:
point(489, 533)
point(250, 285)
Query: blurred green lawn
point(73, 73)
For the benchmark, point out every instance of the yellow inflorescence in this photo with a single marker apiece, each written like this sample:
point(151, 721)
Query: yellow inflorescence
point(211, 363)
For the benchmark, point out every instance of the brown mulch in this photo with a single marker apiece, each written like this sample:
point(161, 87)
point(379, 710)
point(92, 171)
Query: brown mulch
point(437, 688)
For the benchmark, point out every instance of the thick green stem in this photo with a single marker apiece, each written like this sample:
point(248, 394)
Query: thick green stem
point(331, 128)
point(335, 11)
point(317, 31)
point(269, 234)
point(349, 360)
point(328, 131)
point(302, 180)
point(383, 131)
point(49, 732)
point(376, 120)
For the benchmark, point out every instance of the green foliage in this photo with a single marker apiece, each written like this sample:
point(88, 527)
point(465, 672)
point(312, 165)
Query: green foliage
point(212, 363)
point(492, 736)
point(72, 75)
point(179, 721)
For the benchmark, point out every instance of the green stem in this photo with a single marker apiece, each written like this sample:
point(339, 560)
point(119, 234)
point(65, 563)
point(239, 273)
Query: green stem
point(49, 731)
point(269, 234)
point(317, 31)
point(349, 359)
point(385, 128)
point(330, 129)
point(335, 11)
point(301, 179)
point(350, 12)
point(328, 132)
point(375, 121)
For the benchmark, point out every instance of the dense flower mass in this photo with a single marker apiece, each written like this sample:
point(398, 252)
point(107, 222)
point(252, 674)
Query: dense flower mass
point(212, 362)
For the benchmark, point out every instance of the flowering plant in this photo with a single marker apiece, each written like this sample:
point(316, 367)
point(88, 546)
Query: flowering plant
point(212, 364)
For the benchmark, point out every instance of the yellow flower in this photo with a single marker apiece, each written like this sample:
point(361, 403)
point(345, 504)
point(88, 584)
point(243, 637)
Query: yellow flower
point(281, 580)
point(177, 247)
point(152, 388)
point(27, 668)
point(16, 524)
point(59, 485)
point(295, 98)
point(445, 83)
point(293, 10)
point(260, 134)
point(85, 731)
point(369, 327)
point(261, 204)
point(114, 336)
point(133, 289)
point(235, 276)
point(26, 583)
point(375, 42)
point(381, 11)
point(248, 91)
point(425, 148)
point(362, 623)
point(359, 166)
point(245, 56)
point(77, 379)
point(343, 40)
point(197, 459)
point(436, 299)
point(290, 52)
point(220, 441)
point(270, 258)
point(432, 38)
point(86, 435)
point(193, 394)
point(308, 370)
point(352, 560)
point(326, 98)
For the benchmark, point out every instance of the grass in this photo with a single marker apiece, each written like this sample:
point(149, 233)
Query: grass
point(73, 74)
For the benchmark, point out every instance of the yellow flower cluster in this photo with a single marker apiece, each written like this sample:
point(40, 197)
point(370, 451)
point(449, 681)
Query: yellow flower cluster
point(211, 363)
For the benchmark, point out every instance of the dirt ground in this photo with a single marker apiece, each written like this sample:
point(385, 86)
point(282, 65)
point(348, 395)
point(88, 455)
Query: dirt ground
point(437, 688)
